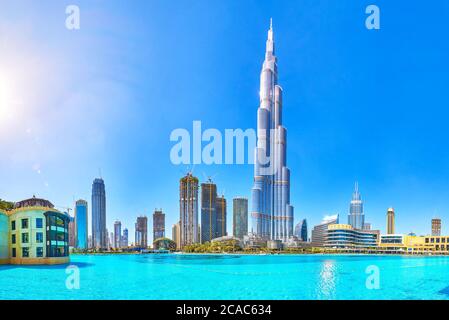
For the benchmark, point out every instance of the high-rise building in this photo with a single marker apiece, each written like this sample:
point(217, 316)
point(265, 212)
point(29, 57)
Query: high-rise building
point(390, 221)
point(99, 233)
point(125, 238)
point(301, 230)
point(188, 209)
point(142, 232)
point(81, 225)
point(72, 237)
point(220, 214)
point(240, 217)
point(208, 211)
point(366, 226)
point(110, 240)
point(117, 234)
point(320, 232)
point(356, 217)
point(436, 227)
point(176, 235)
point(158, 224)
point(272, 214)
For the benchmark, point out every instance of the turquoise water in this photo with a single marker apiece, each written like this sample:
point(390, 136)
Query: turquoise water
point(231, 277)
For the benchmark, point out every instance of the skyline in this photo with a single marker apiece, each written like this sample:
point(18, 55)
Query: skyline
point(329, 69)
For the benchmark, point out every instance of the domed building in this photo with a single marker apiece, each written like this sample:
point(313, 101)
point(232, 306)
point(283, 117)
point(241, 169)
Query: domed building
point(34, 232)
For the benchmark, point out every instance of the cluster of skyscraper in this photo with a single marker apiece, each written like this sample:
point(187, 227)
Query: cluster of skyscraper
point(100, 238)
point(213, 223)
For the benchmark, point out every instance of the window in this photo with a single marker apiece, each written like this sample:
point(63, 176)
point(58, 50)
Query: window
point(39, 237)
point(427, 240)
point(39, 252)
point(443, 240)
point(438, 240)
point(25, 237)
point(25, 252)
point(24, 223)
point(13, 225)
point(13, 239)
point(39, 223)
point(13, 253)
point(432, 240)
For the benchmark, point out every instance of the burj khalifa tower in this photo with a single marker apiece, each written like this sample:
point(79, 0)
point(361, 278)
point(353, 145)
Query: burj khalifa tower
point(272, 214)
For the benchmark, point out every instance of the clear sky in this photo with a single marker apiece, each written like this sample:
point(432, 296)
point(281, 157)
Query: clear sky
point(359, 105)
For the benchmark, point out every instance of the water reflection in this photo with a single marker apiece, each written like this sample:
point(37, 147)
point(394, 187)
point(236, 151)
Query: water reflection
point(326, 288)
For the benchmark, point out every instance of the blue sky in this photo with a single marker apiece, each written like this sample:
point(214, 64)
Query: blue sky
point(359, 105)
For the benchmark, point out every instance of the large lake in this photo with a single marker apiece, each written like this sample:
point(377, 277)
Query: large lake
point(176, 276)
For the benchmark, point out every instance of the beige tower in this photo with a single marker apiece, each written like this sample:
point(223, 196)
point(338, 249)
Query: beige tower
point(436, 227)
point(390, 221)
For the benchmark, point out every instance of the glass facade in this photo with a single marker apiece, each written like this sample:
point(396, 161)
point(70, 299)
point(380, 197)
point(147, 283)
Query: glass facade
point(57, 234)
point(81, 227)
point(240, 217)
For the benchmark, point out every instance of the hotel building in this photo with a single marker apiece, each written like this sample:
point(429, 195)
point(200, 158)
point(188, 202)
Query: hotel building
point(356, 217)
point(34, 233)
point(99, 232)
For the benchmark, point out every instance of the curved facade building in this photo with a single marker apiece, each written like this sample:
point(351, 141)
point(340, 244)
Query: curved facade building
point(36, 234)
point(272, 214)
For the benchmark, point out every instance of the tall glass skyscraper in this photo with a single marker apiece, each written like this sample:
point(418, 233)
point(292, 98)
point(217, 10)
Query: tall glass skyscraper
point(117, 235)
point(301, 230)
point(208, 211)
point(356, 217)
point(220, 222)
point(188, 209)
point(81, 225)
point(272, 214)
point(141, 235)
point(99, 233)
point(240, 217)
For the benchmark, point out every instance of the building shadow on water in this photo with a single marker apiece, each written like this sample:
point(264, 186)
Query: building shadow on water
point(80, 265)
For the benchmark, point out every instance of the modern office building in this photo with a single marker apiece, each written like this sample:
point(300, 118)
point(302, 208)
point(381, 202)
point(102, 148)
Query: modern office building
point(99, 233)
point(344, 236)
point(319, 232)
point(208, 211)
point(176, 235)
point(188, 209)
point(240, 217)
point(141, 238)
point(272, 214)
point(301, 231)
point(390, 221)
point(158, 224)
point(356, 217)
point(221, 213)
point(117, 234)
point(436, 227)
point(81, 225)
point(34, 232)
point(125, 238)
